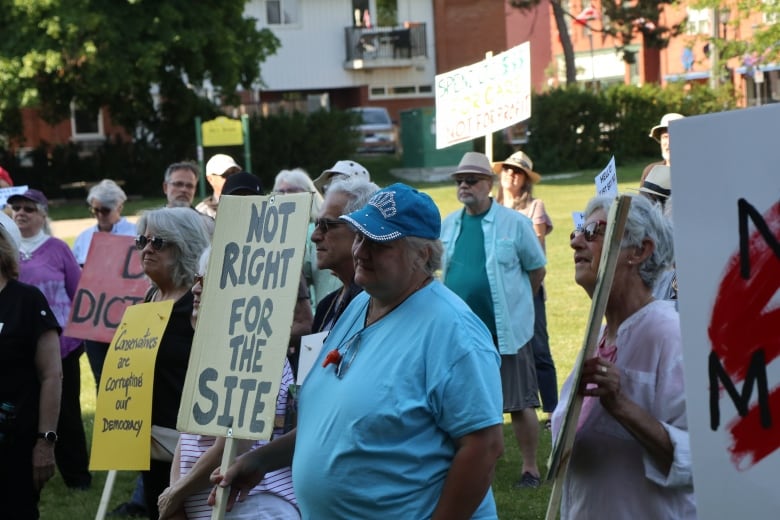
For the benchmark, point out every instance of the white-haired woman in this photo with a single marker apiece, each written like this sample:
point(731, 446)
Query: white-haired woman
point(631, 455)
point(319, 283)
point(170, 242)
point(106, 201)
point(30, 373)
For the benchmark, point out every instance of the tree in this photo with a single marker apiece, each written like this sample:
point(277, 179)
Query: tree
point(625, 20)
point(560, 22)
point(111, 54)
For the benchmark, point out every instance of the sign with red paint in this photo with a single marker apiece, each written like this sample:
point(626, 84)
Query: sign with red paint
point(111, 281)
point(727, 243)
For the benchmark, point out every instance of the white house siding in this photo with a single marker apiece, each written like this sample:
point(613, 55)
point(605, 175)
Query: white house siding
point(312, 52)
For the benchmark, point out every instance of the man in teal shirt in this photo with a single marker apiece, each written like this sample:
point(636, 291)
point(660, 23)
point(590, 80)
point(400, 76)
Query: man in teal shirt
point(493, 261)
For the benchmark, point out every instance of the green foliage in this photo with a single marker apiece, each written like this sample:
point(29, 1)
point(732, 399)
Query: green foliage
point(295, 140)
point(109, 54)
point(573, 129)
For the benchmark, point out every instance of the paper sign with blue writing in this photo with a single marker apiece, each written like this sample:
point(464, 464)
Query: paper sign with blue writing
point(121, 436)
point(483, 97)
point(606, 181)
point(10, 191)
point(243, 329)
point(111, 281)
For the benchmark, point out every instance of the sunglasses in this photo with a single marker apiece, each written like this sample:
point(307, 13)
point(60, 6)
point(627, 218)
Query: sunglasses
point(471, 181)
point(324, 224)
point(102, 211)
point(26, 209)
point(182, 185)
point(141, 241)
point(590, 231)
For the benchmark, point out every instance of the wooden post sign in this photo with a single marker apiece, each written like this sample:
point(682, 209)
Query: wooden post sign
point(121, 438)
point(111, 281)
point(243, 329)
point(726, 191)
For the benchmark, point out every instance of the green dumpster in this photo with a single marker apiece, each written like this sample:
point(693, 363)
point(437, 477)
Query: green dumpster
point(418, 141)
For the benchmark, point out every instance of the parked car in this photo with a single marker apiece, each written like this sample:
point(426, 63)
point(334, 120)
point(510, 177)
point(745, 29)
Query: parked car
point(377, 131)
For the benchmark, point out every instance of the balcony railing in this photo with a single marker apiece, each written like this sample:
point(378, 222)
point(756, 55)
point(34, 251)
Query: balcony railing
point(384, 46)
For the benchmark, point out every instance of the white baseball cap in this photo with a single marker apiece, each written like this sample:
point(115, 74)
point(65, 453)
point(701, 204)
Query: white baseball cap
point(219, 164)
point(341, 168)
point(9, 225)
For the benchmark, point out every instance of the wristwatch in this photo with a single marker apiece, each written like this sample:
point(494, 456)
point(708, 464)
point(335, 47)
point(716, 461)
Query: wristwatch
point(50, 436)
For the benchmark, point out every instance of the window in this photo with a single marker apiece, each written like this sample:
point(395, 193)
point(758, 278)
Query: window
point(281, 12)
point(698, 21)
point(771, 12)
point(401, 91)
point(86, 125)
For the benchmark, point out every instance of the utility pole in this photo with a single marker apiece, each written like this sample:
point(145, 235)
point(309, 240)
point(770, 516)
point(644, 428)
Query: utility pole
point(714, 54)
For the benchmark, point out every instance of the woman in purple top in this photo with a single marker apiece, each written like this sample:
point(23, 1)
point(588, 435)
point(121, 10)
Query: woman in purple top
point(48, 264)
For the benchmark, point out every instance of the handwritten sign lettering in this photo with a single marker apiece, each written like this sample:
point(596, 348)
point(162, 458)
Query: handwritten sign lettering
point(112, 280)
point(483, 97)
point(124, 400)
point(250, 291)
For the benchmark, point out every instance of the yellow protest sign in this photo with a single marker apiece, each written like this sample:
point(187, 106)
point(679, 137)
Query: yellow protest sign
point(249, 295)
point(222, 131)
point(122, 433)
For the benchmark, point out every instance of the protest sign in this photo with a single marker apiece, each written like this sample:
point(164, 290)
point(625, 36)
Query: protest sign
point(243, 329)
point(726, 192)
point(8, 192)
point(111, 281)
point(606, 181)
point(311, 345)
point(123, 417)
point(483, 97)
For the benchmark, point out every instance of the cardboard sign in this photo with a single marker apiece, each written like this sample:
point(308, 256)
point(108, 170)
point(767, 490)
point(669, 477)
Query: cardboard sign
point(111, 281)
point(484, 97)
point(726, 192)
point(121, 437)
point(606, 181)
point(243, 329)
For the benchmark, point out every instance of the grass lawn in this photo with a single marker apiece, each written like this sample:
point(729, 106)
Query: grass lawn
point(567, 308)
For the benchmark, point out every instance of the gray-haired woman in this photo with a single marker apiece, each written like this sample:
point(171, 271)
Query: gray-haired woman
point(170, 242)
point(106, 201)
point(632, 449)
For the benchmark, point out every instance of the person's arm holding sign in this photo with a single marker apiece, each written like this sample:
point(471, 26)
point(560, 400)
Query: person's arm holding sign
point(250, 468)
point(171, 501)
point(49, 368)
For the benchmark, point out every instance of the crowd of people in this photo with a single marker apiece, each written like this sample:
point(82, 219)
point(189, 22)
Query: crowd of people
point(435, 328)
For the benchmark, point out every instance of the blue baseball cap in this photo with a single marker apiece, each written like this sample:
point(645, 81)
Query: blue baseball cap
point(395, 212)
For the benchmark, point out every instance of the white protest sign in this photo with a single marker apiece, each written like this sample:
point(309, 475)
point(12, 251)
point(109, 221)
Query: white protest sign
point(8, 192)
point(606, 181)
point(311, 345)
point(483, 97)
point(578, 217)
point(726, 227)
point(243, 329)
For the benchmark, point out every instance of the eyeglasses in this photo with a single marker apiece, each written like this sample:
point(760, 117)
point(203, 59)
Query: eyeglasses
point(590, 231)
point(514, 169)
point(324, 224)
point(157, 242)
point(289, 190)
point(471, 181)
point(102, 211)
point(26, 209)
point(181, 184)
